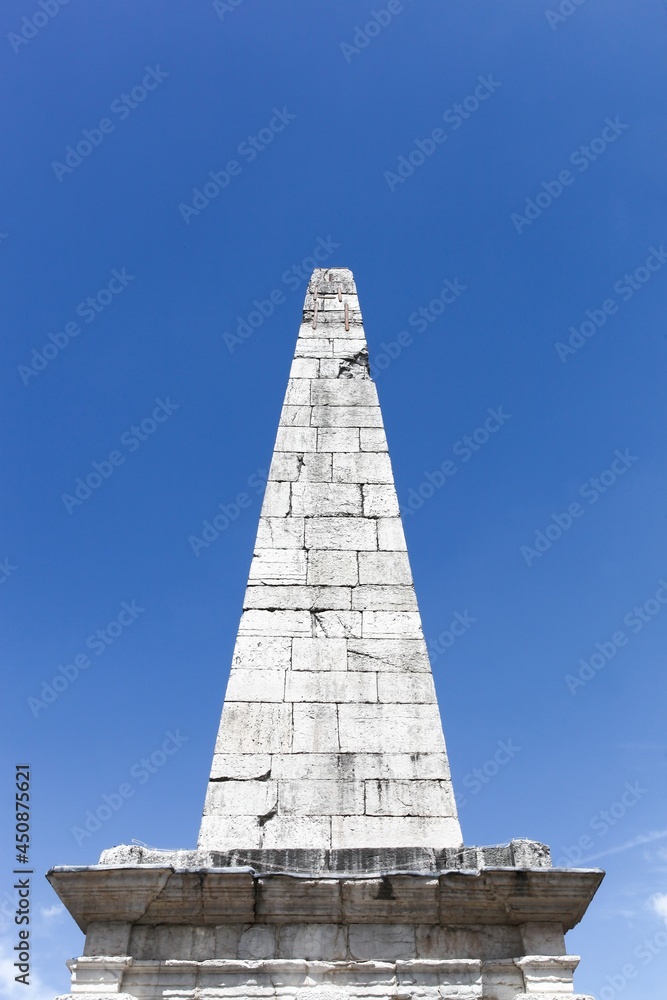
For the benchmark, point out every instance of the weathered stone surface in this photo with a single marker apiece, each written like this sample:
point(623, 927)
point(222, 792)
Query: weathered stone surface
point(326, 499)
point(338, 686)
point(384, 568)
point(333, 567)
point(280, 533)
point(256, 685)
point(278, 566)
point(356, 533)
point(319, 654)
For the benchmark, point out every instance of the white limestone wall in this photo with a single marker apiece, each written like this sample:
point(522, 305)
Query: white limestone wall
point(330, 733)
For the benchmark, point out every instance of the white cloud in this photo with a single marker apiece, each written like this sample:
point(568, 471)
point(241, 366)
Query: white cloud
point(642, 838)
point(48, 912)
point(11, 990)
point(658, 904)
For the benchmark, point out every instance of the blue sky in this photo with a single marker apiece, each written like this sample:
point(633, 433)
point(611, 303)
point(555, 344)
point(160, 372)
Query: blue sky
point(541, 201)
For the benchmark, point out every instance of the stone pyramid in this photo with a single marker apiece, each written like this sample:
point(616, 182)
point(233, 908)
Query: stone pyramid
point(330, 734)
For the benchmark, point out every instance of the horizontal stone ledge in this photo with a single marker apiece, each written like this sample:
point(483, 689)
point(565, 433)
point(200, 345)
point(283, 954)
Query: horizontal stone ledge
point(269, 965)
point(203, 897)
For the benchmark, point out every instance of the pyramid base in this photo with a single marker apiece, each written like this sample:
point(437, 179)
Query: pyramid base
point(162, 924)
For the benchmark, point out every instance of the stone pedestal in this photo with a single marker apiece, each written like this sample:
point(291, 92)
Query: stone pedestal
point(466, 924)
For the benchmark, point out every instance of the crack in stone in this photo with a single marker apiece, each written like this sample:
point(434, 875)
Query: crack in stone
point(356, 366)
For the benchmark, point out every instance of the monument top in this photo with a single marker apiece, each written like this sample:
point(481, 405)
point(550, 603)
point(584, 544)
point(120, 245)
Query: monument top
point(330, 735)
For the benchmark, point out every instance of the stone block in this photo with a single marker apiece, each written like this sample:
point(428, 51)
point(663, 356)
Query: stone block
point(278, 566)
point(305, 368)
point(359, 831)
point(316, 467)
point(270, 623)
point(333, 686)
point(257, 941)
point(370, 596)
point(241, 798)
point(330, 367)
point(384, 568)
point(343, 392)
point(313, 942)
point(256, 685)
point(346, 416)
point(409, 798)
point(313, 766)
point(380, 500)
point(362, 467)
point(406, 688)
point(298, 393)
point(285, 467)
point(382, 942)
point(280, 533)
point(394, 655)
point(338, 439)
point(381, 728)
point(298, 439)
point(295, 416)
point(373, 439)
point(542, 938)
point(254, 727)
point(284, 598)
point(320, 347)
point(391, 624)
point(391, 899)
point(276, 501)
point(328, 567)
point(390, 534)
point(337, 624)
point(111, 937)
point(263, 653)
point(321, 798)
point(325, 499)
point(278, 900)
point(300, 831)
point(222, 833)
point(349, 347)
point(319, 654)
point(315, 730)
point(356, 533)
point(242, 766)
